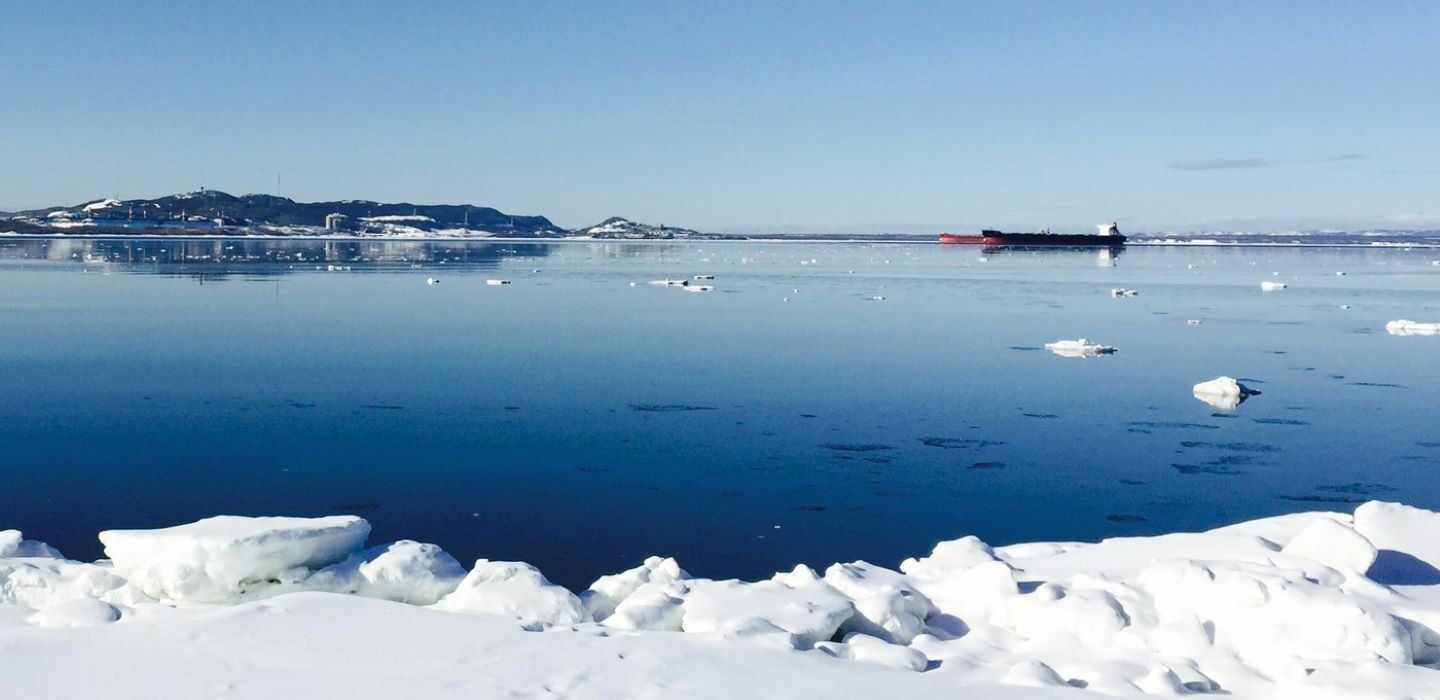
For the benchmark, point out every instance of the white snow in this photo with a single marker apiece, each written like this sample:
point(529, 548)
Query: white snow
point(1310, 605)
point(1222, 392)
point(517, 590)
point(101, 205)
point(1078, 348)
point(1407, 327)
point(220, 558)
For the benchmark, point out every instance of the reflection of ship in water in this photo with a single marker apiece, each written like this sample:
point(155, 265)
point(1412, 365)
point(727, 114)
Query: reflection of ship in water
point(1103, 256)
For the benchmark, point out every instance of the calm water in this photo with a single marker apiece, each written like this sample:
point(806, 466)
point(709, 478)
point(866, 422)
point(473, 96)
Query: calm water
point(579, 423)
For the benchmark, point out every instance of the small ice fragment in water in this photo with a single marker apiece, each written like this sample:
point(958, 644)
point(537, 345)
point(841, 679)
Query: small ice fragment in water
point(704, 277)
point(1344, 306)
point(1122, 292)
point(1193, 322)
point(1340, 274)
point(699, 288)
point(432, 281)
point(877, 298)
point(1272, 286)
point(1223, 392)
point(1408, 327)
point(632, 284)
point(496, 283)
point(670, 283)
point(1078, 348)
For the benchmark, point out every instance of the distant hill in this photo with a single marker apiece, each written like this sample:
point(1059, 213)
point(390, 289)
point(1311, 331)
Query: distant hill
point(211, 209)
point(620, 227)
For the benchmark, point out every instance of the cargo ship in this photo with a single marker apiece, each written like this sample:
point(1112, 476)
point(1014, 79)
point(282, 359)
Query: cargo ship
point(1109, 236)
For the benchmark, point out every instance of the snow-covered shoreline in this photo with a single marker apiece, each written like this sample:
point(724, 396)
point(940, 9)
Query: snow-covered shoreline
point(1311, 605)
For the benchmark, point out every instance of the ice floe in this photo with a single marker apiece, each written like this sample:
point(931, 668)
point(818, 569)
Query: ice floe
point(496, 283)
point(1272, 286)
point(1123, 292)
point(1223, 392)
point(1078, 348)
point(1309, 605)
point(1407, 327)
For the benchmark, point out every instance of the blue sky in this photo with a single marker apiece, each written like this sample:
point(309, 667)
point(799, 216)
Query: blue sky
point(800, 116)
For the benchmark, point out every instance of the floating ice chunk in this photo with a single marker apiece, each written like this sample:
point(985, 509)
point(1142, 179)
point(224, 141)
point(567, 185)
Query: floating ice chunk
point(670, 283)
point(1340, 273)
point(432, 281)
point(886, 605)
point(704, 277)
point(14, 544)
point(405, 571)
point(877, 298)
point(1344, 306)
point(1123, 292)
point(1193, 322)
point(514, 589)
point(862, 647)
point(1078, 348)
point(1223, 392)
point(1272, 286)
point(218, 559)
point(811, 612)
point(609, 591)
point(80, 612)
point(699, 288)
point(1407, 327)
point(496, 283)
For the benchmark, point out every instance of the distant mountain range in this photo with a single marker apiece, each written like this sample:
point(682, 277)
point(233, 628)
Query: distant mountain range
point(214, 212)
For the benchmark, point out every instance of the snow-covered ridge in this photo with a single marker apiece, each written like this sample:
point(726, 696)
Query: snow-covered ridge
point(1312, 605)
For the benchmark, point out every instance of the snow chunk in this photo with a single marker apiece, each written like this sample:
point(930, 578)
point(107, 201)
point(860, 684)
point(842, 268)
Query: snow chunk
point(42, 582)
point(1272, 286)
point(406, 572)
point(887, 607)
point(219, 559)
point(14, 544)
point(1406, 538)
point(1223, 392)
point(515, 589)
point(1335, 545)
point(1078, 348)
point(861, 647)
point(1123, 292)
point(608, 592)
point(81, 612)
point(812, 612)
point(1408, 327)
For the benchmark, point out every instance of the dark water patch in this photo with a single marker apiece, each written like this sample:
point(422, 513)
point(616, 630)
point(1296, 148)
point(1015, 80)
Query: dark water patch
point(987, 465)
point(731, 494)
point(1142, 431)
point(355, 506)
point(668, 407)
point(1279, 352)
point(958, 443)
point(1040, 415)
point(1124, 518)
point(1321, 499)
point(1279, 421)
point(512, 408)
point(1337, 376)
point(1223, 415)
point(807, 415)
point(1250, 380)
point(1238, 459)
point(857, 446)
point(808, 509)
point(1171, 426)
point(297, 404)
point(895, 494)
point(383, 407)
point(879, 460)
point(1134, 482)
point(1414, 458)
point(1215, 469)
point(593, 470)
point(1432, 445)
point(1232, 446)
point(1382, 385)
point(1358, 488)
point(1361, 331)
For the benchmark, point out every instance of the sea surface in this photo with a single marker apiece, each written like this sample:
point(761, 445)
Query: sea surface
point(824, 402)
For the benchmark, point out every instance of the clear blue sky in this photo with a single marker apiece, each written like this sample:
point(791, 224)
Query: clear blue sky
point(742, 116)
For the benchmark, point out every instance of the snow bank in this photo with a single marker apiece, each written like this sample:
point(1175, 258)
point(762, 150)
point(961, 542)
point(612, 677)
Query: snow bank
point(1078, 348)
point(1310, 605)
point(1407, 327)
point(217, 559)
